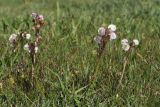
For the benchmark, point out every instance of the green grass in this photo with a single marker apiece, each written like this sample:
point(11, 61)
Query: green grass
point(68, 72)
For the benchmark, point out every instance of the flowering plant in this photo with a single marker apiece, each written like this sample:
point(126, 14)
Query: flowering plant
point(31, 46)
point(104, 35)
point(126, 45)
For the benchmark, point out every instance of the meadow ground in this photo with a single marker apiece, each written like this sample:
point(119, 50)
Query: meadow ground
point(68, 72)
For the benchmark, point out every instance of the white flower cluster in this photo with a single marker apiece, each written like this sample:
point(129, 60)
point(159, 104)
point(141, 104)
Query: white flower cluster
point(14, 37)
point(126, 44)
point(31, 48)
point(27, 36)
point(107, 33)
point(112, 28)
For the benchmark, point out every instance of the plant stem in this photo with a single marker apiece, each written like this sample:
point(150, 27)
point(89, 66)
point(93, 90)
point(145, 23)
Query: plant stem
point(123, 71)
point(33, 64)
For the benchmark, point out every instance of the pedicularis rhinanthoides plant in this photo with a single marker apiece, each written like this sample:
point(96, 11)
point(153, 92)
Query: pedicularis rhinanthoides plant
point(105, 35)
point(108, 34)
point(126, 46)
point(31, 46)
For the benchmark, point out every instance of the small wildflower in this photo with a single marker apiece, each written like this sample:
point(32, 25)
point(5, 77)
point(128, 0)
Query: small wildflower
point(26, 48)
point(126, 47)
point(98, 39)
point(101, 31)
point(37, 18)
point(13, 38)
point(112, 27)
point(124, 41)
point(136, 42)
point(104, 35)
point(112, 36)
point(28, 36)
point(31, 48)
